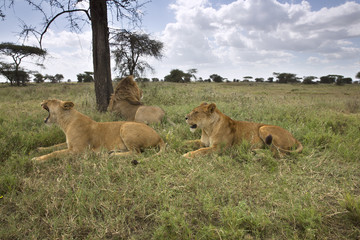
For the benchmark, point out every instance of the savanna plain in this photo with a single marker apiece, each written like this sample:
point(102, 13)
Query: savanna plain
point(230, 195)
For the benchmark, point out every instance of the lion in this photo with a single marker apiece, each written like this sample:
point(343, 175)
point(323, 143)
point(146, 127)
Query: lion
point(122, 138)
point(126, 101)
point(219, 130)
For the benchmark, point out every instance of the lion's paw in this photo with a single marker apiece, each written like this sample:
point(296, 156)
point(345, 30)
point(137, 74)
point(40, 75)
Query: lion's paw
point(188, 155)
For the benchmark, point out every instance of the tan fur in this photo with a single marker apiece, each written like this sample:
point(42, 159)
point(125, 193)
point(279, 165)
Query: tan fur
point(219, 130)
point(126, 102)
point(84, 133)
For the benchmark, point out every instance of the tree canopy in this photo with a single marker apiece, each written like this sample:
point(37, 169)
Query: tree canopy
point(357, 75)
point(12, 71)
point(216, 78)
point(129, 47)
point(176, 75)
point(286, 77)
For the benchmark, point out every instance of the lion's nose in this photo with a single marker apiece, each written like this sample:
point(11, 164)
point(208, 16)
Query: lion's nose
point(186, 118)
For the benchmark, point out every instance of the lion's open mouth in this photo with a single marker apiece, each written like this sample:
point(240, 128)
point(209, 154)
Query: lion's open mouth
point(193, 127)
point(47, 109)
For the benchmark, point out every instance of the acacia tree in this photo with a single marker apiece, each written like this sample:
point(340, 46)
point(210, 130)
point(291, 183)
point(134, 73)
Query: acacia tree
point(97, 15)
point(176, 75)
point(357, 75)
point(192, 72)
point(216, 78)
point(129, 47)
point(18, 53)
point(38, 78)
point(286, 77)
point(309, 79)
point(85, 77)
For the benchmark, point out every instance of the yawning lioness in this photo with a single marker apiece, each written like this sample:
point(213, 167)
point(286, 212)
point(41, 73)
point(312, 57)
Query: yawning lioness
point(84, 133)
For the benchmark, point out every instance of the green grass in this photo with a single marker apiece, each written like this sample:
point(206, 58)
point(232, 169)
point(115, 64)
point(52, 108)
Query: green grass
point(230, 195)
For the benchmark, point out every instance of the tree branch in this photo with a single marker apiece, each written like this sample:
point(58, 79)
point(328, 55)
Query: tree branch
point(57, 15)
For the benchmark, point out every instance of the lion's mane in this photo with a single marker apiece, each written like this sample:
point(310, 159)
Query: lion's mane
point(128, 90)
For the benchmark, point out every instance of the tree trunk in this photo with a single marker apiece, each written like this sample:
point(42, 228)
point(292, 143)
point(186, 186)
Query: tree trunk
point(101, 54)
point(17, 80)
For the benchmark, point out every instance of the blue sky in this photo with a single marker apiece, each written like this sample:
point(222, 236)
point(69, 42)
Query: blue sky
point(230, 38)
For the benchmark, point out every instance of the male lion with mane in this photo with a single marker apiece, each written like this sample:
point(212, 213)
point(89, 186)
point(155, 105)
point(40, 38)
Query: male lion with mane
point(123, 138)
point(220, 130)
point(126, 101)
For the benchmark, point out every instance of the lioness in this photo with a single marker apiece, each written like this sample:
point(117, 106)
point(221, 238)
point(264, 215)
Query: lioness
point(220, 130)
point(84, 133)
point(126, 101)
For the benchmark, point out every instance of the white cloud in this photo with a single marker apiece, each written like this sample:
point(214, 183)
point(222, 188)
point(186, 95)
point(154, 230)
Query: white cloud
point(68, 53)
point(264, 32)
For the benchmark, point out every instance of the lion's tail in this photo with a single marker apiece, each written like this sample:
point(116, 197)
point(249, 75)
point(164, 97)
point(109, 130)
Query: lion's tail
point(298, 149)
point(162, 146)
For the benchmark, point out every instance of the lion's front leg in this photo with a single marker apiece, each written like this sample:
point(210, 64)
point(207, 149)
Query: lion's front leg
point(57, 146)
point(195, 143)
point(51, 155)
point(200, 152)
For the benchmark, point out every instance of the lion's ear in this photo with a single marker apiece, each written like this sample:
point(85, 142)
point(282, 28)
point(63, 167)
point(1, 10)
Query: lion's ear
point(67, 105)
point(129, 79)
point(211, 108)
point(203, 104)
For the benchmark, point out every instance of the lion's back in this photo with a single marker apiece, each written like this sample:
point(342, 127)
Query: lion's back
point(149, 114)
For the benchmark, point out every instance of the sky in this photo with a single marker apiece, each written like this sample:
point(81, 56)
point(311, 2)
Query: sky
point(226, 37)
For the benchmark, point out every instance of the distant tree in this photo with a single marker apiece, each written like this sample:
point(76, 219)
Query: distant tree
point(80, 77)
point(38, 78)
point(192, 72)
point(331, 78)
point(142, 79)
point(259, 79)
point(270, 79)
point(18, 53)
point(216, 78)
point(58, 77)
point(357, 76)
point(89, 77)
point(309, 80)
point(327, 79)
point(130, 47)
point(155, 79)
point(247, 78)
point(341, 80)
point(8, 72)
point(85, 77)
point(51, 78)
point(286, 77)
point(23, 76)
point(177, 75)
point(347, 80)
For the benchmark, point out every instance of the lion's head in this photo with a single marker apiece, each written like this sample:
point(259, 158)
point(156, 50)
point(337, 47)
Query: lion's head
point(127, 90)
point(55, 108)
point(201, 116)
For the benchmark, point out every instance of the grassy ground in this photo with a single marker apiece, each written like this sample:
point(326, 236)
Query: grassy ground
point(232, 195)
